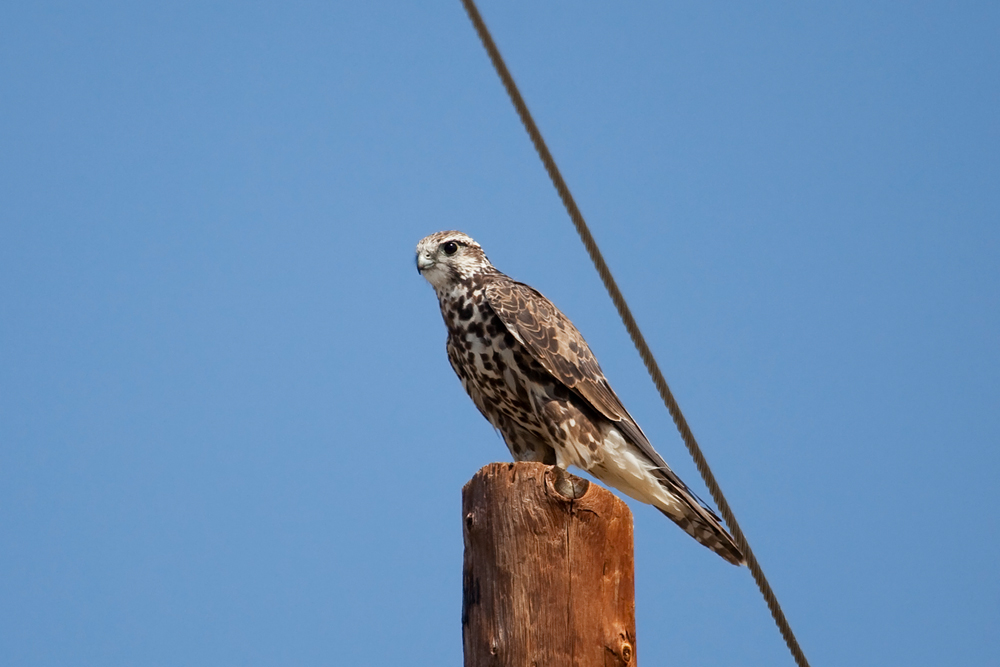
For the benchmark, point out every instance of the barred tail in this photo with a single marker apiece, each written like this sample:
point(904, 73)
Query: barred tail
point(707, 528)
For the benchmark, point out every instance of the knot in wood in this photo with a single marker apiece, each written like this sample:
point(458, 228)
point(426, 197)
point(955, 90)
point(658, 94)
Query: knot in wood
point(568, 486)
point(626, 652)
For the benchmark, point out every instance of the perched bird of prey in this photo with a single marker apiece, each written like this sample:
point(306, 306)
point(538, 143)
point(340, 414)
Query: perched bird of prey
point(532, 375)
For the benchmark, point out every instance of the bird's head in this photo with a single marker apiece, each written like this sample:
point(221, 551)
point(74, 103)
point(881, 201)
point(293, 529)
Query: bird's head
point(445, 258)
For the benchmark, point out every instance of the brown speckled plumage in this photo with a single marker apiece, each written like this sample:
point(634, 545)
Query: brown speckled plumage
point(534, 378)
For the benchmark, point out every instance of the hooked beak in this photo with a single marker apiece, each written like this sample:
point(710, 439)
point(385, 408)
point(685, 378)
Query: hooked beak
point(423, 263)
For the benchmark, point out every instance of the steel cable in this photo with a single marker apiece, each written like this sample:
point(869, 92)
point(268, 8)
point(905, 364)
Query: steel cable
point(633, 329)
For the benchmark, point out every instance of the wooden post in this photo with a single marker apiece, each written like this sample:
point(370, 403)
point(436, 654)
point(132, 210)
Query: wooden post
point(548, 577)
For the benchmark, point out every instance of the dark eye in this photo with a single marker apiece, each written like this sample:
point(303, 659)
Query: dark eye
point(449, 247)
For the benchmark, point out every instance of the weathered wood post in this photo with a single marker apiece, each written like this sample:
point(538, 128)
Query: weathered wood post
point(548, 577)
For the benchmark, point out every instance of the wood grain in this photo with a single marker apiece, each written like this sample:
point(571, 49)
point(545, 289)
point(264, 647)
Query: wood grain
point(548, 580)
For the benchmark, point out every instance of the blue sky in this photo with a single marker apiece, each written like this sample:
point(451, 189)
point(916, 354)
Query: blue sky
point(229, 434)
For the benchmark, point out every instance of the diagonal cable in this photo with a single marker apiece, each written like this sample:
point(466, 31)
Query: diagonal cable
point(633, 330)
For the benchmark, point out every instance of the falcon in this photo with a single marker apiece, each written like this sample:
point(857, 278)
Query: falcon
point(532, 375)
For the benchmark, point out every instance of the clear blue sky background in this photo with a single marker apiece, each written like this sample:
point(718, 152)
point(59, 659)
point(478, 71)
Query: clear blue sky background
point(229, 434)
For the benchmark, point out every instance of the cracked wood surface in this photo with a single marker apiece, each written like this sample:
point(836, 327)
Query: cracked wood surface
point(548, 579)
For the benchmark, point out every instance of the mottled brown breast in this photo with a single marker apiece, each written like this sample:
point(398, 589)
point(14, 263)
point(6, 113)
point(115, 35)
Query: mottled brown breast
point(497, 372)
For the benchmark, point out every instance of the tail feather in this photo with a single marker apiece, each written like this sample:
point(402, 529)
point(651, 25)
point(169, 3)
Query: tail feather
point(707, 529)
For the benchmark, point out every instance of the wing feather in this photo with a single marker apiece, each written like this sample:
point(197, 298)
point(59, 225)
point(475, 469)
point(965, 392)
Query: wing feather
point(556, 344)
point(550, 337)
